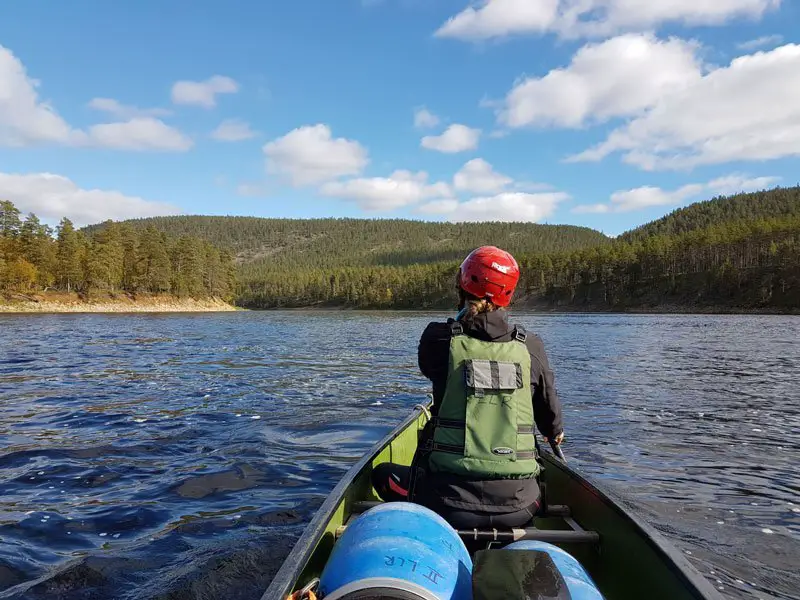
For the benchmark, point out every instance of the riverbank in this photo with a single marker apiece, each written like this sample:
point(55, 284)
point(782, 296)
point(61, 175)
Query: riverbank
point(60, 302)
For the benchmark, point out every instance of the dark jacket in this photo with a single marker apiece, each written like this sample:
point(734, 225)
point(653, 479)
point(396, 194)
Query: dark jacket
point(433, 356)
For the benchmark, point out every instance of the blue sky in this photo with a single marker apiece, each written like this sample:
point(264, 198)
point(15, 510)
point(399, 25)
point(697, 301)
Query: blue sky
point(605, 113)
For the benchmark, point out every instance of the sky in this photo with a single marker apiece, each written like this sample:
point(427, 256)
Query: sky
point(599, 113)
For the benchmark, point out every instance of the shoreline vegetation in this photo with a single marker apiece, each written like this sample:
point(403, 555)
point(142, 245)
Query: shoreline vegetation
point(738, 254)
point(115, 269)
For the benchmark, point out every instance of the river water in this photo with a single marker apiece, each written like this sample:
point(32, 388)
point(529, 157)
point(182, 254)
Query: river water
point(179, 456)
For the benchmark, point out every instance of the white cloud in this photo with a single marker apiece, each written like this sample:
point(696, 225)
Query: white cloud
point(456, 138)
point(203, 93)
point(24, 118)
point(767, 40)
point(576, 18)
point(425, 119)
point(478, 177)
point(735, 184)
point(309, 155)
point(506, 207)
point(52, 197)
point(139, 134)
point(438, 207)
point(26, 121)
point(401, 188)
point(649, 196)
point(233, 130)
point(745, 111)
point(124, 111)
point(498, 18)
point(618, 77)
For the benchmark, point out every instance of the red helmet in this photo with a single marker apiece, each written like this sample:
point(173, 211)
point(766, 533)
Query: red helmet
point(489, 272)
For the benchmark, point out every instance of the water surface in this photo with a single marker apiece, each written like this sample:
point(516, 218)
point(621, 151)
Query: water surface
point(179, 456)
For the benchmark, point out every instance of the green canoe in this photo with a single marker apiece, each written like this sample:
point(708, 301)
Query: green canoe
point(626, 558)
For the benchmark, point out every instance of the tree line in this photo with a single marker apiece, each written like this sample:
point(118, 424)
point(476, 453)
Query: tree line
point(739, 264)
point(113, 258)
point(289, 244)
point(738, 252)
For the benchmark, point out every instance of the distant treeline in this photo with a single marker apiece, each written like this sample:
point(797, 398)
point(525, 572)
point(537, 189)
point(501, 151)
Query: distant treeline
point(743, 264)
point(740, 252)
point(272, 245)
point(113, 258)
point(745, 256)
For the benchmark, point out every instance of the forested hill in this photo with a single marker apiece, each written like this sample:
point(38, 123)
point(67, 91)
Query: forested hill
point(775, 203)
point(275, 244)
point(113, 259)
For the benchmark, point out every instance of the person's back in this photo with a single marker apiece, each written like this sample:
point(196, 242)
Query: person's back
point(476, 463)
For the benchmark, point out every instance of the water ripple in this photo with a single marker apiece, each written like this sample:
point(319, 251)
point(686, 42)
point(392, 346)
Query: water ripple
point(179, 456)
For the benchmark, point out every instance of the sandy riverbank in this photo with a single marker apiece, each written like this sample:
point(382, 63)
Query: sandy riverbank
point(120, 303)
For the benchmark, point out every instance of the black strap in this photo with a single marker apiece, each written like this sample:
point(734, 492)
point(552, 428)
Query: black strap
point(448, 423)
point(519, 333)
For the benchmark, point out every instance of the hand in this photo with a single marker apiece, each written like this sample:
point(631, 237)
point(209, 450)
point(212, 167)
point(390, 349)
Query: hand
point(558, 440)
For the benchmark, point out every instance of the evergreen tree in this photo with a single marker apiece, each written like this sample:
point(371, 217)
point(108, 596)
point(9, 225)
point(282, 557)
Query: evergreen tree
point(69, 271)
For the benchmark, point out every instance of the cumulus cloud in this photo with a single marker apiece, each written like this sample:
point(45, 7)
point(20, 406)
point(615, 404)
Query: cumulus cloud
point(767, 40)
point(478, 177)
point(737, 183)
point(425, 119)
point(124, 111)
point(141, 134)
point(747, 110)
point(498, 18)
point(25, 120)
point(576, 18)
point(649, 196)
point(456, 138)
point(233, 130)
point(54, 196)
point(505, 207)
point(618, 77)
point(309, 155)
point(401, 188)
point(203, 93)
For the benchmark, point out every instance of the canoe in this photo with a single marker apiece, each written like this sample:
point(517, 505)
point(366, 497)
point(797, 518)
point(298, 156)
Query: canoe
point(625, 557)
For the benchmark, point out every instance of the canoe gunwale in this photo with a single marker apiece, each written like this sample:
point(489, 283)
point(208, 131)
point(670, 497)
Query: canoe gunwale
point(285, 579)
point(677, 562)
point(305, 546)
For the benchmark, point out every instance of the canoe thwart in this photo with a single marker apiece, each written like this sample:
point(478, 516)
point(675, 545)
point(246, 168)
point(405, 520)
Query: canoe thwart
point(552, 536)
point(553, 510)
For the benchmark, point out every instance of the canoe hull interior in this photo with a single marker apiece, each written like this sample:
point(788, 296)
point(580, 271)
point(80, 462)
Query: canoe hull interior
point(632, 560)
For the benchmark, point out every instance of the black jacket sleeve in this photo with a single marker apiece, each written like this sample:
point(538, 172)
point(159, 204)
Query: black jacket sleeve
point(433, 354)
point(546, 404)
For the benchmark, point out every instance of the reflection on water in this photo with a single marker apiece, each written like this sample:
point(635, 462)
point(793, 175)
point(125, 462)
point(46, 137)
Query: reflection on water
point(179, 456)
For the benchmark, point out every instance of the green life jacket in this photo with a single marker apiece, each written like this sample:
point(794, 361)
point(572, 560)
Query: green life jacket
point(485, 426)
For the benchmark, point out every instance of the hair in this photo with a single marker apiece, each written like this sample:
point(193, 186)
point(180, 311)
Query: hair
point(473, 304)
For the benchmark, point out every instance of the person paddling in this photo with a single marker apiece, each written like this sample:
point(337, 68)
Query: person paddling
point(476, 461)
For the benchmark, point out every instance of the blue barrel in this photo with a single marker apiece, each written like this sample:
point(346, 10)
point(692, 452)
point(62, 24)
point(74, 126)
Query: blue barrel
point(399, 546)
point(580, 585)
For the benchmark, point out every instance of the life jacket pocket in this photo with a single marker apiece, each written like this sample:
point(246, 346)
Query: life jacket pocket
point(491, 409)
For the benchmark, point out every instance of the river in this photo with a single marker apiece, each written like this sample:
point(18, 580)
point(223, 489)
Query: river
point(176, 457)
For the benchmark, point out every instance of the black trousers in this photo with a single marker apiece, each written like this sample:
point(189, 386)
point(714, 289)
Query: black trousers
point(392, 481)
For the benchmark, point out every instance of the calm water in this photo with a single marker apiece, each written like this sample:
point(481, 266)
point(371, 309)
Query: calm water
point(180, 456)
